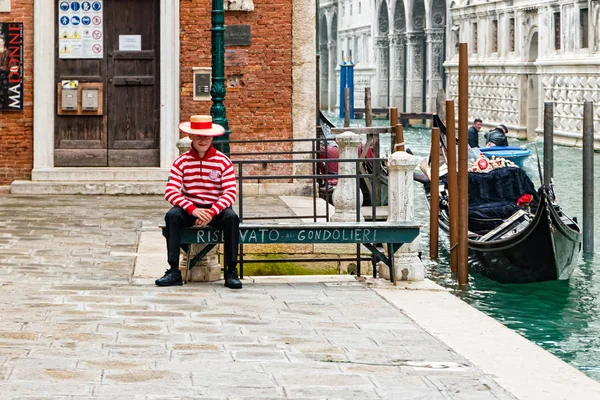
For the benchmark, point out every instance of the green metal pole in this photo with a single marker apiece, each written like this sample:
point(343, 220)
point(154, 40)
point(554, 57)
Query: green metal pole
point(217, 89)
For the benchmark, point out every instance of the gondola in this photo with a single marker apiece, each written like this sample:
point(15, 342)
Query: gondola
point(517, 233)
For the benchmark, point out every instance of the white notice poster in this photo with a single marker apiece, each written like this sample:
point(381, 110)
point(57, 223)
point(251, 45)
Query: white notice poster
point(80, 29)
point(130, 42)
point(5, 5)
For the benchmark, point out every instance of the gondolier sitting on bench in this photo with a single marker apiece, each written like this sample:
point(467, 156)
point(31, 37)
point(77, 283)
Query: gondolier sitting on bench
point(202, 189)
point(497, 136)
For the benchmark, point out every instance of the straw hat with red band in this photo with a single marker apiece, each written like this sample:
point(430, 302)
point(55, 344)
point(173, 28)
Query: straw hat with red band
point(201, 125)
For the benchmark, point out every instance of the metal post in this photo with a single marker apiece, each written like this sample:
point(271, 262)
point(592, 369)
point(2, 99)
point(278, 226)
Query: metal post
point(588, 177)
point(346, 107)
point(217, 90)
point(318, 82)
point(452, 184)
point(350, 81)
point(548, 143)
point(463, 159)
point(434, 199)
point(343, 85)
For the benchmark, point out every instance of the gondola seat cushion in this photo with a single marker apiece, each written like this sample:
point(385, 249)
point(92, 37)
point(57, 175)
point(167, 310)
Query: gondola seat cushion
point(494, 194)
point(500, 210)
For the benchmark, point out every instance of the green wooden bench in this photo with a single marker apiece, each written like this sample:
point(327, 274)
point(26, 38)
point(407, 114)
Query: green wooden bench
point(369, 234)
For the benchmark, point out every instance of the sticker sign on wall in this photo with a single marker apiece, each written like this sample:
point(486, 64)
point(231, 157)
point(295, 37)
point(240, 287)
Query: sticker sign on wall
point(80, 29)
point(130, 42)
point(5, 5)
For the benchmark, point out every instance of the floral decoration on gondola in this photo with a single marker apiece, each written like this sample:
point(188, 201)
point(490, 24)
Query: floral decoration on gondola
point(483, 164)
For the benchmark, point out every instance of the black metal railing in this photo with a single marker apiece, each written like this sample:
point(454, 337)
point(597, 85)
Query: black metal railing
point(318, 181)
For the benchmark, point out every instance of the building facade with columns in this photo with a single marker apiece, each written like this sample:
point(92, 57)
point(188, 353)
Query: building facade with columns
point(146, 62)
point(524, 53)
point(397, 47)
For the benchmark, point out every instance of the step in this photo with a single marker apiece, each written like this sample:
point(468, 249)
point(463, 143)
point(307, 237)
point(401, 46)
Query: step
point(88, 188)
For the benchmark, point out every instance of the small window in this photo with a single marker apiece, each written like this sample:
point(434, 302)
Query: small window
point(583, 27)
point(359, 7)
point(511, 30)
point(350, 9)
point(494, 36)
point(474, 39)
point(557, 31)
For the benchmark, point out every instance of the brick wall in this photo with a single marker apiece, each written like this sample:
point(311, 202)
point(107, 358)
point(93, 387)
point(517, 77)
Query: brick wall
point(262, 107)
point(16, 128)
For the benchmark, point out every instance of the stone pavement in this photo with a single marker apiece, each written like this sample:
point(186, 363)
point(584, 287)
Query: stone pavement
point(76, 325)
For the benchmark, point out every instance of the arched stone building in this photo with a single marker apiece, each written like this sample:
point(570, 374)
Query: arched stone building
point(397, 46)
point(523, 54)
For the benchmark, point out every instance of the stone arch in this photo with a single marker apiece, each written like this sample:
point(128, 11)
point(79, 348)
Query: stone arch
point(418, 15)
point(323, 30)
point(437, 14)
point(383, 19)
point(382, 48)
point(533, 45)
point(533, 90)
point(415, 58)
point(435, 35)
point(399, 17)
point(397, 57)
point(324, 73)
point(334, 37)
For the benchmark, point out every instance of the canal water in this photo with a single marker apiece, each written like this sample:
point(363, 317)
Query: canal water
point(563, 317)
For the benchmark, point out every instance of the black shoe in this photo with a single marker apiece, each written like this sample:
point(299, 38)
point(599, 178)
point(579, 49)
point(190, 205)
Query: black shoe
point(231, 279)
point(172, 278)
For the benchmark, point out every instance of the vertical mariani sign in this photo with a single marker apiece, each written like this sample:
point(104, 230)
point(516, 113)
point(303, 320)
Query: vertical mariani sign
point(11, 66)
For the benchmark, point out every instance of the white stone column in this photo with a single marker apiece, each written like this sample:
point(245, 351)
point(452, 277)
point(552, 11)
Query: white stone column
point(407, 265)
point(414, 72)
point(304, 82)
point(44, 84)
point(397, 71)
point(435, 61)
point(208, 269)
point(344, 194)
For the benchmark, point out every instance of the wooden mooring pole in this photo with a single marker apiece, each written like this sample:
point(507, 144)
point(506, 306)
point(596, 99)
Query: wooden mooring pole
point(368, 109)
point(463, 160)
point(434, 193)
point(393, 123)
point(346, 107)
point(588, 177)
point(548, 143)
point(452, 184)
point(399, 146)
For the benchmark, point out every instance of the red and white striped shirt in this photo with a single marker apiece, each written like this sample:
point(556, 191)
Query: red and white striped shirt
point(196, 181)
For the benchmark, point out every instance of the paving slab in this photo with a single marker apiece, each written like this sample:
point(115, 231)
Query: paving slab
point(79, 323)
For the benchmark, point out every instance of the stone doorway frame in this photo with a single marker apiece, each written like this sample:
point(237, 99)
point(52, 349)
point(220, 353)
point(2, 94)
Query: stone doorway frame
point(44, 109)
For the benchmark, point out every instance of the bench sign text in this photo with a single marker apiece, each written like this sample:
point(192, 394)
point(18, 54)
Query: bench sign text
point(264, 235)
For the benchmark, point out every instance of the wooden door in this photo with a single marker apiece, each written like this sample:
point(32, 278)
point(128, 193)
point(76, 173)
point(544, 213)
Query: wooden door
point(128, 132)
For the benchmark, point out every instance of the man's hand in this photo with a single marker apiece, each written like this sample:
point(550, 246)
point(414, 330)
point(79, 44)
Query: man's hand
point(202, 215)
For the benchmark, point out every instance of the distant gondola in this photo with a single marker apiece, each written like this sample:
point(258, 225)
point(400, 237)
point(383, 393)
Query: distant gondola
point(518, 234)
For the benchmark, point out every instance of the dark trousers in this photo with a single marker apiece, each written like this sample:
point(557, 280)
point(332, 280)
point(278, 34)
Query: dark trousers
point(177, 218)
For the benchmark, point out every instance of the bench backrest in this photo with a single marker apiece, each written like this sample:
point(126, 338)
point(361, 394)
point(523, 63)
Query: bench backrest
point(374, 232)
